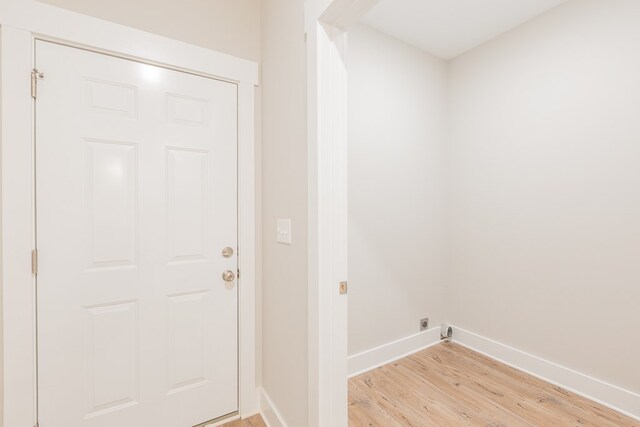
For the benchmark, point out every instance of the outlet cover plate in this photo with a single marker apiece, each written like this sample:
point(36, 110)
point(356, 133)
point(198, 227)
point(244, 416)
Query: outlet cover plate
point(424, 324)
point(284, 231)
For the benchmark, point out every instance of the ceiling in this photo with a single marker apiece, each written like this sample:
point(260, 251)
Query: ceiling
point(447, 28)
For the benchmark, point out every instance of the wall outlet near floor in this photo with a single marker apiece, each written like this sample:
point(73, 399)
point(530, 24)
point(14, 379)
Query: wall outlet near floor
point(424, 324)
point(446, 332)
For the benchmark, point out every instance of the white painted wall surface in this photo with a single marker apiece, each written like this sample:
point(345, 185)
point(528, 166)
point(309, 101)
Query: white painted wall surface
point(546, 189)
point(284, 195)
point(397, 189)
point(229, 26)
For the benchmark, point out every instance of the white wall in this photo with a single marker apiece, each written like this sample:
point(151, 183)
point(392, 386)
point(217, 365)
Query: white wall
point(229, 26)
point(284, 190)
point(397, 189)
point(546, 189)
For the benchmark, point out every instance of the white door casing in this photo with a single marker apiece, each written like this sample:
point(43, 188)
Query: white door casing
point(136, 183)
point(21, 22)
point(327, 25)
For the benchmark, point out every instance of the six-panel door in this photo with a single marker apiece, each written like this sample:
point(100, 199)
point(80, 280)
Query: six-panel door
point(136, 197)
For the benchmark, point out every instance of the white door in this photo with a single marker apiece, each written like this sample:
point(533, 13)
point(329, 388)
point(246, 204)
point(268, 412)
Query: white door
point(136, 194)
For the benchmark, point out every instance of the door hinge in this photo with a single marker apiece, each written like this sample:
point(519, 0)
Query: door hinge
point(34, 261)
point(238, 275)
point(35, 75)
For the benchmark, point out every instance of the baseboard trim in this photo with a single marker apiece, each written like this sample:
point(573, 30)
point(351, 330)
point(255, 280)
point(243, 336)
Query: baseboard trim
point(609, 395)
point(222, 421)
point(270, 414)
point(387, 353)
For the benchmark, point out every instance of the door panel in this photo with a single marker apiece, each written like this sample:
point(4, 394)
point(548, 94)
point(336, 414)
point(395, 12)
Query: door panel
point(112, 205)
point(111, 362)
point(136, 183)
point(186, 207)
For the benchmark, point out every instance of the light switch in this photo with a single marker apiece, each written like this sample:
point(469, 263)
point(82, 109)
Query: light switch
point(284, 231)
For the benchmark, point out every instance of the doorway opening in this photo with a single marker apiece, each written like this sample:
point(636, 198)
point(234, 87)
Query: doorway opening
point(470, 188)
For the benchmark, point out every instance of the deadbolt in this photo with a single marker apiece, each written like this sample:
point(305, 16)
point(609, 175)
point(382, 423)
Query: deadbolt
point(228, 276)
point(227, 252)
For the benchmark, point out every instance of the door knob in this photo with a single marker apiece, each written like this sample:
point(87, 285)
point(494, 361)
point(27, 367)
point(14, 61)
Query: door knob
point(228, 276)
point(227, 252)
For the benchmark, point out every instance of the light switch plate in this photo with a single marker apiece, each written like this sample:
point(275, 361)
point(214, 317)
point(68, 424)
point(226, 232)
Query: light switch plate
point(284, 231)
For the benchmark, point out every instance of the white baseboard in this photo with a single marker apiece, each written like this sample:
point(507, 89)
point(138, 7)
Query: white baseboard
point(614, 397)
point(376, 357)
point(269, 412)
point(223, 422)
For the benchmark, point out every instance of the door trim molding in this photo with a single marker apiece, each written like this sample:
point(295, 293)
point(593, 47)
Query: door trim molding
point(21, 22)
point(327, 24)
point(79, 30)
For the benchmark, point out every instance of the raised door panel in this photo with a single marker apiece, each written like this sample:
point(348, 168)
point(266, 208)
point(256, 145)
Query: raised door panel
point(187, 193)
point(111, 378)
point(187, 355)
point(111, 202)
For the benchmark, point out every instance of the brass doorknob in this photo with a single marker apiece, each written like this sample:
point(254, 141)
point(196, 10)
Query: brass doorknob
point(228, 276)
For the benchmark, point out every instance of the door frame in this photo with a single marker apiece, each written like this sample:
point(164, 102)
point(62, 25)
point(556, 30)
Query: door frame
point(327, 25)
point(21, 23)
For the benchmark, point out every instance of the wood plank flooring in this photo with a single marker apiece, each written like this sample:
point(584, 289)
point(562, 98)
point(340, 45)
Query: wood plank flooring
point(450, 385)
point(255, 421)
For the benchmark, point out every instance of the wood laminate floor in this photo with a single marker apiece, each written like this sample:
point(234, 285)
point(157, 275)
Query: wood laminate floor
point(450, 385)
point(255, 421)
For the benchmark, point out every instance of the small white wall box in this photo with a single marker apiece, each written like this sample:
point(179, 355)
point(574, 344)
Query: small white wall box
point(284, 231)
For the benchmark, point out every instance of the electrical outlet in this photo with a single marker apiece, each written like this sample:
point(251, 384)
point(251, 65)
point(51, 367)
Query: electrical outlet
point(424, 324)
